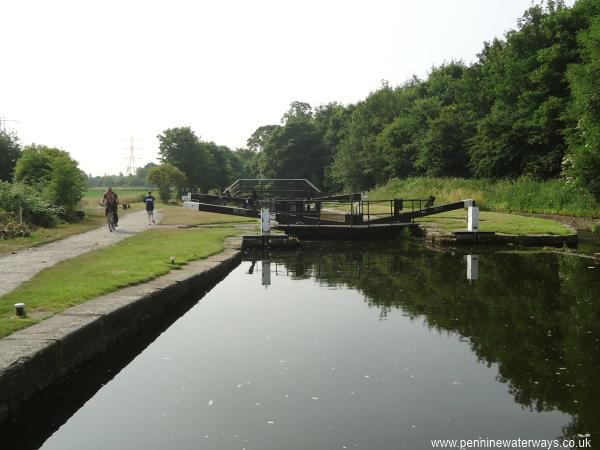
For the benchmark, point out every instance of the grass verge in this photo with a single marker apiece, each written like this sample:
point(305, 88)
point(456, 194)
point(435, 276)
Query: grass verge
point(176, 215)
point(136, 260)
point(493, 221)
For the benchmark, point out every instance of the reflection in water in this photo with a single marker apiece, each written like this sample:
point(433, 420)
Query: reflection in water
point(509, 351)
point(472, 267)
point(266, 273)
point(535, 315)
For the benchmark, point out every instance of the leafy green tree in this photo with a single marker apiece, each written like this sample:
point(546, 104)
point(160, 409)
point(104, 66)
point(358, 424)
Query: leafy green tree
point(10, 152)
point(222, 175)
point(522, 79)
point(357, 162)
point(167, 177)
point(35, 164)
point(241, 164)
point(298, 111)
point(141, 173)
point(67, 183)
point(332, 121)
point(181, 148)
point(583, 160)
point(260, 137)
point(444, 147)
point(296, 150)
point(402, 140)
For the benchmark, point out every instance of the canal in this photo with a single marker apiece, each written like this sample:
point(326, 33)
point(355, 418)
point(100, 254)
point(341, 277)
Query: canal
point(372, 347)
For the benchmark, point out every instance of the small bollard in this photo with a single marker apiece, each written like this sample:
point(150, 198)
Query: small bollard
point(172, 258)
point(20, 309)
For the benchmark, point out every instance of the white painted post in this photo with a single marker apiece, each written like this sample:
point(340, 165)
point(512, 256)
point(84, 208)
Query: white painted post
point(265, 220)
point(473, 218)
point(472, 267)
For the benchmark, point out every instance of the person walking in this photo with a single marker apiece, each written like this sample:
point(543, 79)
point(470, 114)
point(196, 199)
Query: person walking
point(149, 200)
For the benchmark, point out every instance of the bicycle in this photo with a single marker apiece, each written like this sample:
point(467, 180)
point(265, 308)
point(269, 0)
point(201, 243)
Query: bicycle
point(110, 219)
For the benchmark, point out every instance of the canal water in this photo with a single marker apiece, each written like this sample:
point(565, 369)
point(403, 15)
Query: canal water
point(373, 347)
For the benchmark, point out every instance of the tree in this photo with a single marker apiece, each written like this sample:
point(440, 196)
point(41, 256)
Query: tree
point(10, 152)
point(181, 148)
point(444, 147)
point(296, 150)
point(583, 161)
point(67, 183)
point(332, 121)
point(35, 164)
point(358, 161)
point(141, 173)
point(261, 135)
point(166, 177)
point(298, 111)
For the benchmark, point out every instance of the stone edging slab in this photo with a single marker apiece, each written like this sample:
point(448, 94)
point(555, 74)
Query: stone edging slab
point(45, 353)
point(535, 240)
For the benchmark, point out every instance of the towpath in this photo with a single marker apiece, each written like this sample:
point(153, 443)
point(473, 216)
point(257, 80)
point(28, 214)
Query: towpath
point(21, 266)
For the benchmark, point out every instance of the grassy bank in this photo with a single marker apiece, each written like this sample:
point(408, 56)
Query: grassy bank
point(521, 195)
point(493, 221)
point(176, 215)
point(136, 260)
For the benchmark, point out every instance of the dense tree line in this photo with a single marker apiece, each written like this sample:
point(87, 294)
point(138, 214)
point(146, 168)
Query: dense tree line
point(528, 106)
point(137, 180)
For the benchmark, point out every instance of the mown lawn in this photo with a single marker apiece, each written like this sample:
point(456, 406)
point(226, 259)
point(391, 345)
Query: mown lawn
point(138, 259)
point(177, 215)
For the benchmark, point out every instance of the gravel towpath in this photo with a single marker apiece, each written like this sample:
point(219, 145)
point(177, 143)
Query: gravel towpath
point(21, 266)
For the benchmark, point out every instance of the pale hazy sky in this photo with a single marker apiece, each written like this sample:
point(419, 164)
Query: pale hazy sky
point(85, 76)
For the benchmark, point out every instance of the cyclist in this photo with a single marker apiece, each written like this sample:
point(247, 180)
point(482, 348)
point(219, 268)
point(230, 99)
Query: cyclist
point(110, 200)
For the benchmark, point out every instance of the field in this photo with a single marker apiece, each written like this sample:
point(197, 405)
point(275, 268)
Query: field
point(93, 196)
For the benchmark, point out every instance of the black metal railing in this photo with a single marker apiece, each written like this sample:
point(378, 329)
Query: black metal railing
point(363, 212)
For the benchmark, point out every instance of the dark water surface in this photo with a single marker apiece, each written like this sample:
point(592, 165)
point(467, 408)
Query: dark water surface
point(372, 347)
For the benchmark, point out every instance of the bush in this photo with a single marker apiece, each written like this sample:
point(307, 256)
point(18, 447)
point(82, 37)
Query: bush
point(52, 172)
point(10, 227)
point(36, 211)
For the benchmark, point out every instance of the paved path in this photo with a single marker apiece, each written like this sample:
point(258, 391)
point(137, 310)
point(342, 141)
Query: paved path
point(23, 265)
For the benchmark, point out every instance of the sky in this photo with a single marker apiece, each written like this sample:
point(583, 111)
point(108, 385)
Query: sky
point(97, 78)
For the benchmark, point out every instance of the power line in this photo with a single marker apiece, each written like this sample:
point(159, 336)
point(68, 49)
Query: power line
point(3, 123)
point(131, 164)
